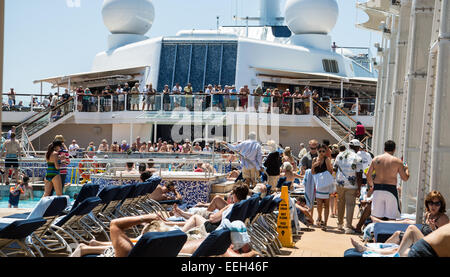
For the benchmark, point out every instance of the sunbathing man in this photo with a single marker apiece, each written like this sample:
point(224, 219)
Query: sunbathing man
point(414, 244)
point(385, 204)
point(161, 193)
point(123, 245)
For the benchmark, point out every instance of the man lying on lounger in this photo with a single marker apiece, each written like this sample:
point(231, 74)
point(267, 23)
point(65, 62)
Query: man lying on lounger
point(161, 193)
point(122, 244)
point(413, 244)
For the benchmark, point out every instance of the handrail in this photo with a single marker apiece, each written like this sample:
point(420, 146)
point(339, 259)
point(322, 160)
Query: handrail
point(348, 116)
point(42, 114)
point(333, 117)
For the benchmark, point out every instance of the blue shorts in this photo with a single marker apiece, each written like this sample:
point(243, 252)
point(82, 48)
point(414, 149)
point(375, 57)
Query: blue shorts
point(421, 249)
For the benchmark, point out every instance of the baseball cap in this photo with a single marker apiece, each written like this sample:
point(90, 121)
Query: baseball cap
point(355, 142)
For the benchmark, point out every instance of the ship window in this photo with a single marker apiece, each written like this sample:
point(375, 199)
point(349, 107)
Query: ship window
point(197, 62)
point(330, 66)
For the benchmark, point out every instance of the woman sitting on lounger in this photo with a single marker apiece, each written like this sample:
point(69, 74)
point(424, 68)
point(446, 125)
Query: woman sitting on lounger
point(435, 216)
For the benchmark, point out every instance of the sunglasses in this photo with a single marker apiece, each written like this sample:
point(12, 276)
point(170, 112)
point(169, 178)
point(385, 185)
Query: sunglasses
point(322, 151)
point(313, 148)
point(437, 204)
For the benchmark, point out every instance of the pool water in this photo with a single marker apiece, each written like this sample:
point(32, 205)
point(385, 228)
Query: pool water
point(23, 204)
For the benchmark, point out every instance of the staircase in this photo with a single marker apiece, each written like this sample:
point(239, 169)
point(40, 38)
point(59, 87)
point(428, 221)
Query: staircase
point(44, 121)
point(339, 124)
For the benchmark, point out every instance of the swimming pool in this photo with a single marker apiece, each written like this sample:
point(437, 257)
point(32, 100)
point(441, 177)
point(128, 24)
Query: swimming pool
point(23, 204)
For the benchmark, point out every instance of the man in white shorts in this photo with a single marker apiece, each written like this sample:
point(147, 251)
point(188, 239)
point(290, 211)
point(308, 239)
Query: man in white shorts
point(385, 203)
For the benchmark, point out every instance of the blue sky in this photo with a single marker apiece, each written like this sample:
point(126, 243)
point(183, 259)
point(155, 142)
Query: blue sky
point(46, 38)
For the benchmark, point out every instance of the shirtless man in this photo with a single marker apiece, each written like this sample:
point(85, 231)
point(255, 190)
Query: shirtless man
point(385, 204)
point(161, 193)
point(12, 149)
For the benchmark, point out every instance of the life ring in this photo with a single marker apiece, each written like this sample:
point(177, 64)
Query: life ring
point(84, 168)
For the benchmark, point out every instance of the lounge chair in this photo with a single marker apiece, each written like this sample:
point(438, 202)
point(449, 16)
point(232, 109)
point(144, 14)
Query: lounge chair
point(15, 234)
point(153, 244)
point(383, 231)
point(78, 226)
point(215, 244)
point(157, 245)
point(87, 191)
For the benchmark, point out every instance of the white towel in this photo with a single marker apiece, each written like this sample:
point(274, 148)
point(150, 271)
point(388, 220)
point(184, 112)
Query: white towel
point(239, 235)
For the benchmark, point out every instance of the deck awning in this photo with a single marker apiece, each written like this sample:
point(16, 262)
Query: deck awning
point(320, 79)
point(377, 12)
point(93, 78)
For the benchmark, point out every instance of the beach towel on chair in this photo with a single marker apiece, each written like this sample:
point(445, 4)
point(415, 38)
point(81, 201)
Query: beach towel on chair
point(239, 235)
point(308, 183)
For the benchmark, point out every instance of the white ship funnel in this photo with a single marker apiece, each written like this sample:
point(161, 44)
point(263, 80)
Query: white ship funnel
point(270, 13)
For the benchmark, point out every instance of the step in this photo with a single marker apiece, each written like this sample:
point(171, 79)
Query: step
point(224, 187)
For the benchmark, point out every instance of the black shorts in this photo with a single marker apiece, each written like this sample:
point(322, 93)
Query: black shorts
point(421, 249)
point(211, 227)
point(11, 163)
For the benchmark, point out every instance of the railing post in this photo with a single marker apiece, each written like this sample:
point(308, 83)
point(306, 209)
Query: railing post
point(271, 104)
point(329, 105)
point(311, 108)
point(357, 106)
point(293, 106)
point(126, 102)
point(75, 106)
point(98, 103)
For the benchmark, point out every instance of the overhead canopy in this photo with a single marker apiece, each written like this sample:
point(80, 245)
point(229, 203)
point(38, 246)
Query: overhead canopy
point(96, 78)
point(377, 12)
point(368, 85)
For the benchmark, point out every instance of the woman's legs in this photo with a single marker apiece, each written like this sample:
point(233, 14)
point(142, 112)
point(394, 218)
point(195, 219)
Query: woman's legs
point(47, 188)
point(83, 250)
point(194, 221)
point(326, 210)
point(57, 185)
point(218, 203)
point(411, 236)
point(319, 211)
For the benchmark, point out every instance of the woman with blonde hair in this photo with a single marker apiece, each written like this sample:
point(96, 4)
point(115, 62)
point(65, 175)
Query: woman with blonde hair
point(287, 157)
point(288, 172)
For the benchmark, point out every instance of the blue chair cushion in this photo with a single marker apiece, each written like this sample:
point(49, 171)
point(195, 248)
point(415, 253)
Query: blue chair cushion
point(216, 243)
point(88, 190)
point(159, 244)
point(84, 208)
point(383, 231)
point(21, 228)
point(352, 253)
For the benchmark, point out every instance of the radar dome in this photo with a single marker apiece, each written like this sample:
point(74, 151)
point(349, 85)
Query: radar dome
point(311, 16)
point(128, 16)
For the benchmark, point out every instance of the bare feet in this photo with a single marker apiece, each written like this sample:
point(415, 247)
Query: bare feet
point(358, 246)
point(78, 251)
point(176, 210)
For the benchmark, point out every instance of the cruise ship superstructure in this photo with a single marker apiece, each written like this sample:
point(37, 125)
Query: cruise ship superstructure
point(279, 52)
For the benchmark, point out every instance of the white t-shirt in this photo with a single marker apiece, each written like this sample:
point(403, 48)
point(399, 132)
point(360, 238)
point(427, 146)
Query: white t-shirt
point(366, 160)
point(73, 149)
point(54, 100)
point(348, 164)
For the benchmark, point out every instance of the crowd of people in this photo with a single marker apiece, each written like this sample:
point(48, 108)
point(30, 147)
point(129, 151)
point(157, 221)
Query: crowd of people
point(139, 146)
